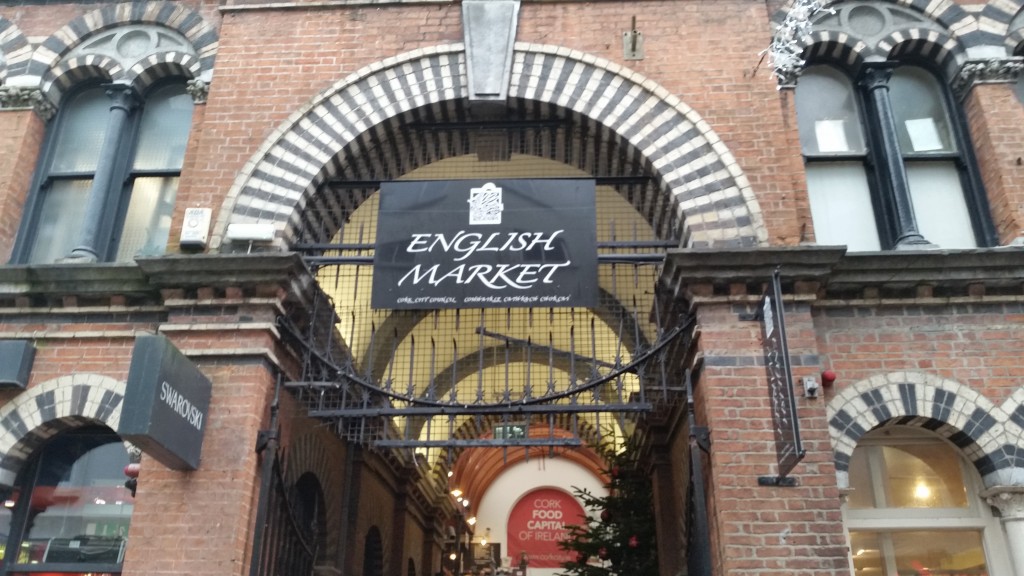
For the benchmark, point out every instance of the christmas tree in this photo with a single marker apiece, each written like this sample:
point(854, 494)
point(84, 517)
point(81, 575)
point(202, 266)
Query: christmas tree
point(618, 537)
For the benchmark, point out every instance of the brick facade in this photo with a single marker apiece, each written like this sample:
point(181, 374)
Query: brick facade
point(291, 96)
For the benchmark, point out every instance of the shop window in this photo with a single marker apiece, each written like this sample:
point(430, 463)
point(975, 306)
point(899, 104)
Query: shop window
point(914, 509)
point(888, 165)
point(108, 177)
point(70, 511)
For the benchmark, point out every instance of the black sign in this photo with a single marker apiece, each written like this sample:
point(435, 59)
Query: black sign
point(486, 244)
point(165, 403)
point(788, 446)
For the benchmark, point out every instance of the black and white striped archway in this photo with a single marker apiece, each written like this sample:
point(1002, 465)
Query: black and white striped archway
point(356, 131)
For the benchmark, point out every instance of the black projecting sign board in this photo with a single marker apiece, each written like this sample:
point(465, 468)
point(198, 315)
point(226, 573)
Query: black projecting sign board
point(788, 446)
point(486, 244)
point(165, 404)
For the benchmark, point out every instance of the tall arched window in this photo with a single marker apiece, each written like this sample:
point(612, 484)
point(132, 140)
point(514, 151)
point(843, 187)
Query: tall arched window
point(106, 182)
point(914, 509)
point(832, 139)
point(70, 510)
point(889, 165)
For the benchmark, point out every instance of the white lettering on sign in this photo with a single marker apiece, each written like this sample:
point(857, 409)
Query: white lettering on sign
point(465, 244)
point(468, 243)
point(181, 405)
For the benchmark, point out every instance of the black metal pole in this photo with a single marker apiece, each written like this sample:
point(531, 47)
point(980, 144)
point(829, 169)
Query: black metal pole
point(699, 546)
point(266, 446)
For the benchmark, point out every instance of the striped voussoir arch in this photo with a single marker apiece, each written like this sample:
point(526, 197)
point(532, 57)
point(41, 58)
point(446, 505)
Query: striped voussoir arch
point(947, 13)
point(15, 51)
point(988, 435)
point(56, 75)
point(929, 45)
point(156, 66)
point(706, 188)
point(836, 48)
point(51, 407)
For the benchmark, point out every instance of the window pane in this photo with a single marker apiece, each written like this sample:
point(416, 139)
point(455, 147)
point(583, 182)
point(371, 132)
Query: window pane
point(939, 204)
point(863, 488)
point(932, 552)
point(866, 550)
point(914, 475)
point(148, 222)
point(82, 127)
point(164, 130)
point(5, 522)
point(921, 120)
point(841, 206)
point(79, 510)
point(827, 113)
point(60, 220)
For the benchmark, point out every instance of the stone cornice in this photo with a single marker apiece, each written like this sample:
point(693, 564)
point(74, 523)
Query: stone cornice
point(823, 272)
point(986, 71)
point(18, 97)
point(155, 281)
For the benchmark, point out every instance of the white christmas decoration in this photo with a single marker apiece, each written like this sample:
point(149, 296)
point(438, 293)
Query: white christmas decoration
point(787, 44)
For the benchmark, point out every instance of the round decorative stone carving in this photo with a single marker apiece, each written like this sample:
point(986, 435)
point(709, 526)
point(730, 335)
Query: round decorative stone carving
point(866, 20)
point(134, 44)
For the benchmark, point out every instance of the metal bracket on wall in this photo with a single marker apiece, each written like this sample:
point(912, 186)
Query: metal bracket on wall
point(701, 436)
point(633, 43)
point(785, 481)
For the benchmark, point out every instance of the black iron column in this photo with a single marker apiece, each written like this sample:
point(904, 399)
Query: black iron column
point(123, 102)
point(875, 80)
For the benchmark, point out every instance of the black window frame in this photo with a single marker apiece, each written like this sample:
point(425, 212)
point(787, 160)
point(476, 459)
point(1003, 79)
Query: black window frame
point(118, 197)
point(875, 157)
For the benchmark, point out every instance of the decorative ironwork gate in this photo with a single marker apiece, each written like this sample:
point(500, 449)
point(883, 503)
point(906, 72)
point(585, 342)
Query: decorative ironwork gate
point(509, 377)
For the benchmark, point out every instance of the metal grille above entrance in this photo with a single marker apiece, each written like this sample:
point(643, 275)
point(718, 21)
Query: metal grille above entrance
point(462, 377)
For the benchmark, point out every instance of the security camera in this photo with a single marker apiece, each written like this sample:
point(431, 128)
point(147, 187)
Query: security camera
point(811, 387)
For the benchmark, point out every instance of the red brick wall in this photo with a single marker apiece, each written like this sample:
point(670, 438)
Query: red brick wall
point(21, 135)
point(200, 523)
point(757, 529)
point(975, 344)
point(993, 113)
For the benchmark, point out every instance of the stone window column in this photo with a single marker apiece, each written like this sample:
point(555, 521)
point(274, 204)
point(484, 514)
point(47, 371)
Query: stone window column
point(1009, 500)
point(123, 101)
point(882, 130)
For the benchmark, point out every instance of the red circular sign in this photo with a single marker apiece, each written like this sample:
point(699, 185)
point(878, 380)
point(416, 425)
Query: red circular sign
point(537, 524)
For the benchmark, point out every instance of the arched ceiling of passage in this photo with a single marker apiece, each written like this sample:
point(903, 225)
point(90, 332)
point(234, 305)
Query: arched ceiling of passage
point(615, 123)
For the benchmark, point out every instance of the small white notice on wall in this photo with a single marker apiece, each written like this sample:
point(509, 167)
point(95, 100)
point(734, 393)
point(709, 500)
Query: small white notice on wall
point(831, 135)
point(924, 135)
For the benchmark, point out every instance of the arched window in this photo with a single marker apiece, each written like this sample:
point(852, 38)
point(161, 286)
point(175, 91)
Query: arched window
point(889, 165)
point(70, 510)
point(106, 182)
point(914, 509)
point(373, 553)
point(832, 139)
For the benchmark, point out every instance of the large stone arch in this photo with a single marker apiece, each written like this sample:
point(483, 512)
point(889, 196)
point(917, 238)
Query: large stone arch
point(51, 407)
point(702, 182)
point(962, 415)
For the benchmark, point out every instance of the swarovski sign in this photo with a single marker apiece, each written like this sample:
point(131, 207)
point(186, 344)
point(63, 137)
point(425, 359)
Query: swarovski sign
point(166, 402)
point(500, 243)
